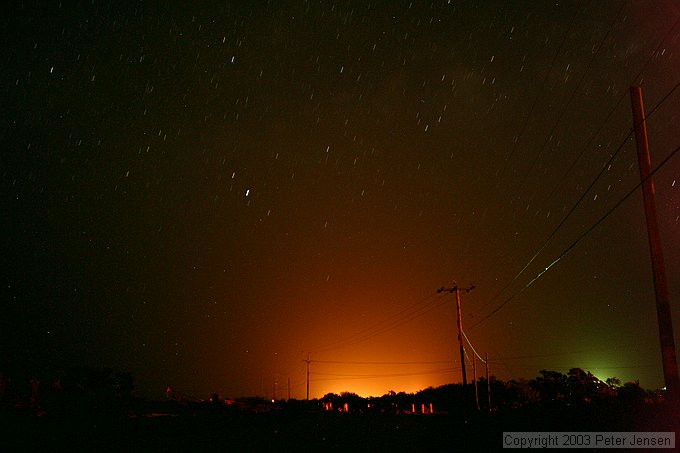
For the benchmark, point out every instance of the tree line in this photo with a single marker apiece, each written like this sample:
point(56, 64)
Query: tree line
point(105, 391)
point(549, 388)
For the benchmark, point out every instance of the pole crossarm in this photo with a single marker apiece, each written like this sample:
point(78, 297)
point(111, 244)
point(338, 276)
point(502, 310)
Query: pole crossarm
point(455, 288)
point(459, 323)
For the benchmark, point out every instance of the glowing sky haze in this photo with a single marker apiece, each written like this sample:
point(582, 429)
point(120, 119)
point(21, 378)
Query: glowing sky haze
point(203, 194)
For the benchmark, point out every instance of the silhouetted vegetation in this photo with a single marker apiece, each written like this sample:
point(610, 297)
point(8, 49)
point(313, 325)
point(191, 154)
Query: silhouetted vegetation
point(87, 390)
point(95, 409)
point(548, 389)
point(78, 391)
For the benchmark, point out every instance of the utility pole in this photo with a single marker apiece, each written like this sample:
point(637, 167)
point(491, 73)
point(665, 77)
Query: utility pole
point(459, 324)
point(474, 371)
point(307, 360)
point(288, 389)
point(488, 384)
point(663, 311)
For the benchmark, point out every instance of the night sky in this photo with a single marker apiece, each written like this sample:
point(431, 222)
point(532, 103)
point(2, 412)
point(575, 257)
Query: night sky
point(200, 195)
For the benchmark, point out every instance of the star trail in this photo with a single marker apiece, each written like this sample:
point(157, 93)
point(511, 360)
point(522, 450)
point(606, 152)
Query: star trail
point(203, 195)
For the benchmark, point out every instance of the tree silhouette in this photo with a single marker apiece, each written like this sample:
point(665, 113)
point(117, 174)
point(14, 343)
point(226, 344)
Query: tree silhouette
point(551, 385)
point(631, 394)
point(88, 390)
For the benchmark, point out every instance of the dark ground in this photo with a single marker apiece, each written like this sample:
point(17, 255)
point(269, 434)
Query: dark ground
point(315, 431)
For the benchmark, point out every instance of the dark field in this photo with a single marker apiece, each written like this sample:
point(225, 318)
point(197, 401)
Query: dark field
point(316, 431)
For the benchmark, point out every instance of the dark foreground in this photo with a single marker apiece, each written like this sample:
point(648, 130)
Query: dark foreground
point(316, 431)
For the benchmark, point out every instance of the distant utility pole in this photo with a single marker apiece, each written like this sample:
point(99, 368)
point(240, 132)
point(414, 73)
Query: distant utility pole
point(663, 311)
point(488, 384)
point(474, 371)
point(459, 323)
point(275, 382)
point(307, 360)
point(288, 389)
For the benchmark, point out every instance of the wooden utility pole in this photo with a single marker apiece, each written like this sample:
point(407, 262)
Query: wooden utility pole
point(459, 323)
point(460, 335)
point(663, 311)
point(474, 372)
point(488, 384)
point(274, 384)
point(307, 375)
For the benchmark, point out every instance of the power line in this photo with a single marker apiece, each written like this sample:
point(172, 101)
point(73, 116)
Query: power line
point(616, 106)
point(553, 354)
point(379, 363)
point(441, 370)
point(571, 97)
point(573, 244)
point(435, 362)
point(585, 368)
point(540, 91)
point(562, 113)
point(473, 348)
point(400, 318)
point(606, 165)
point(578, 202)
point(400, 322)
point(562, 222)
point(341, 377)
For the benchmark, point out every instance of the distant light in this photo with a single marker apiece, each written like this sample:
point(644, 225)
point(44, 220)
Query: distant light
point(247, 192)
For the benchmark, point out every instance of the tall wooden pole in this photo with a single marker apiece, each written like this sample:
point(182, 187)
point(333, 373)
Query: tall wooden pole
point(274, 389)
point(459, 323)
point(307, 375)
point(474, 371)
point(663, 311)
point(488, 384)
